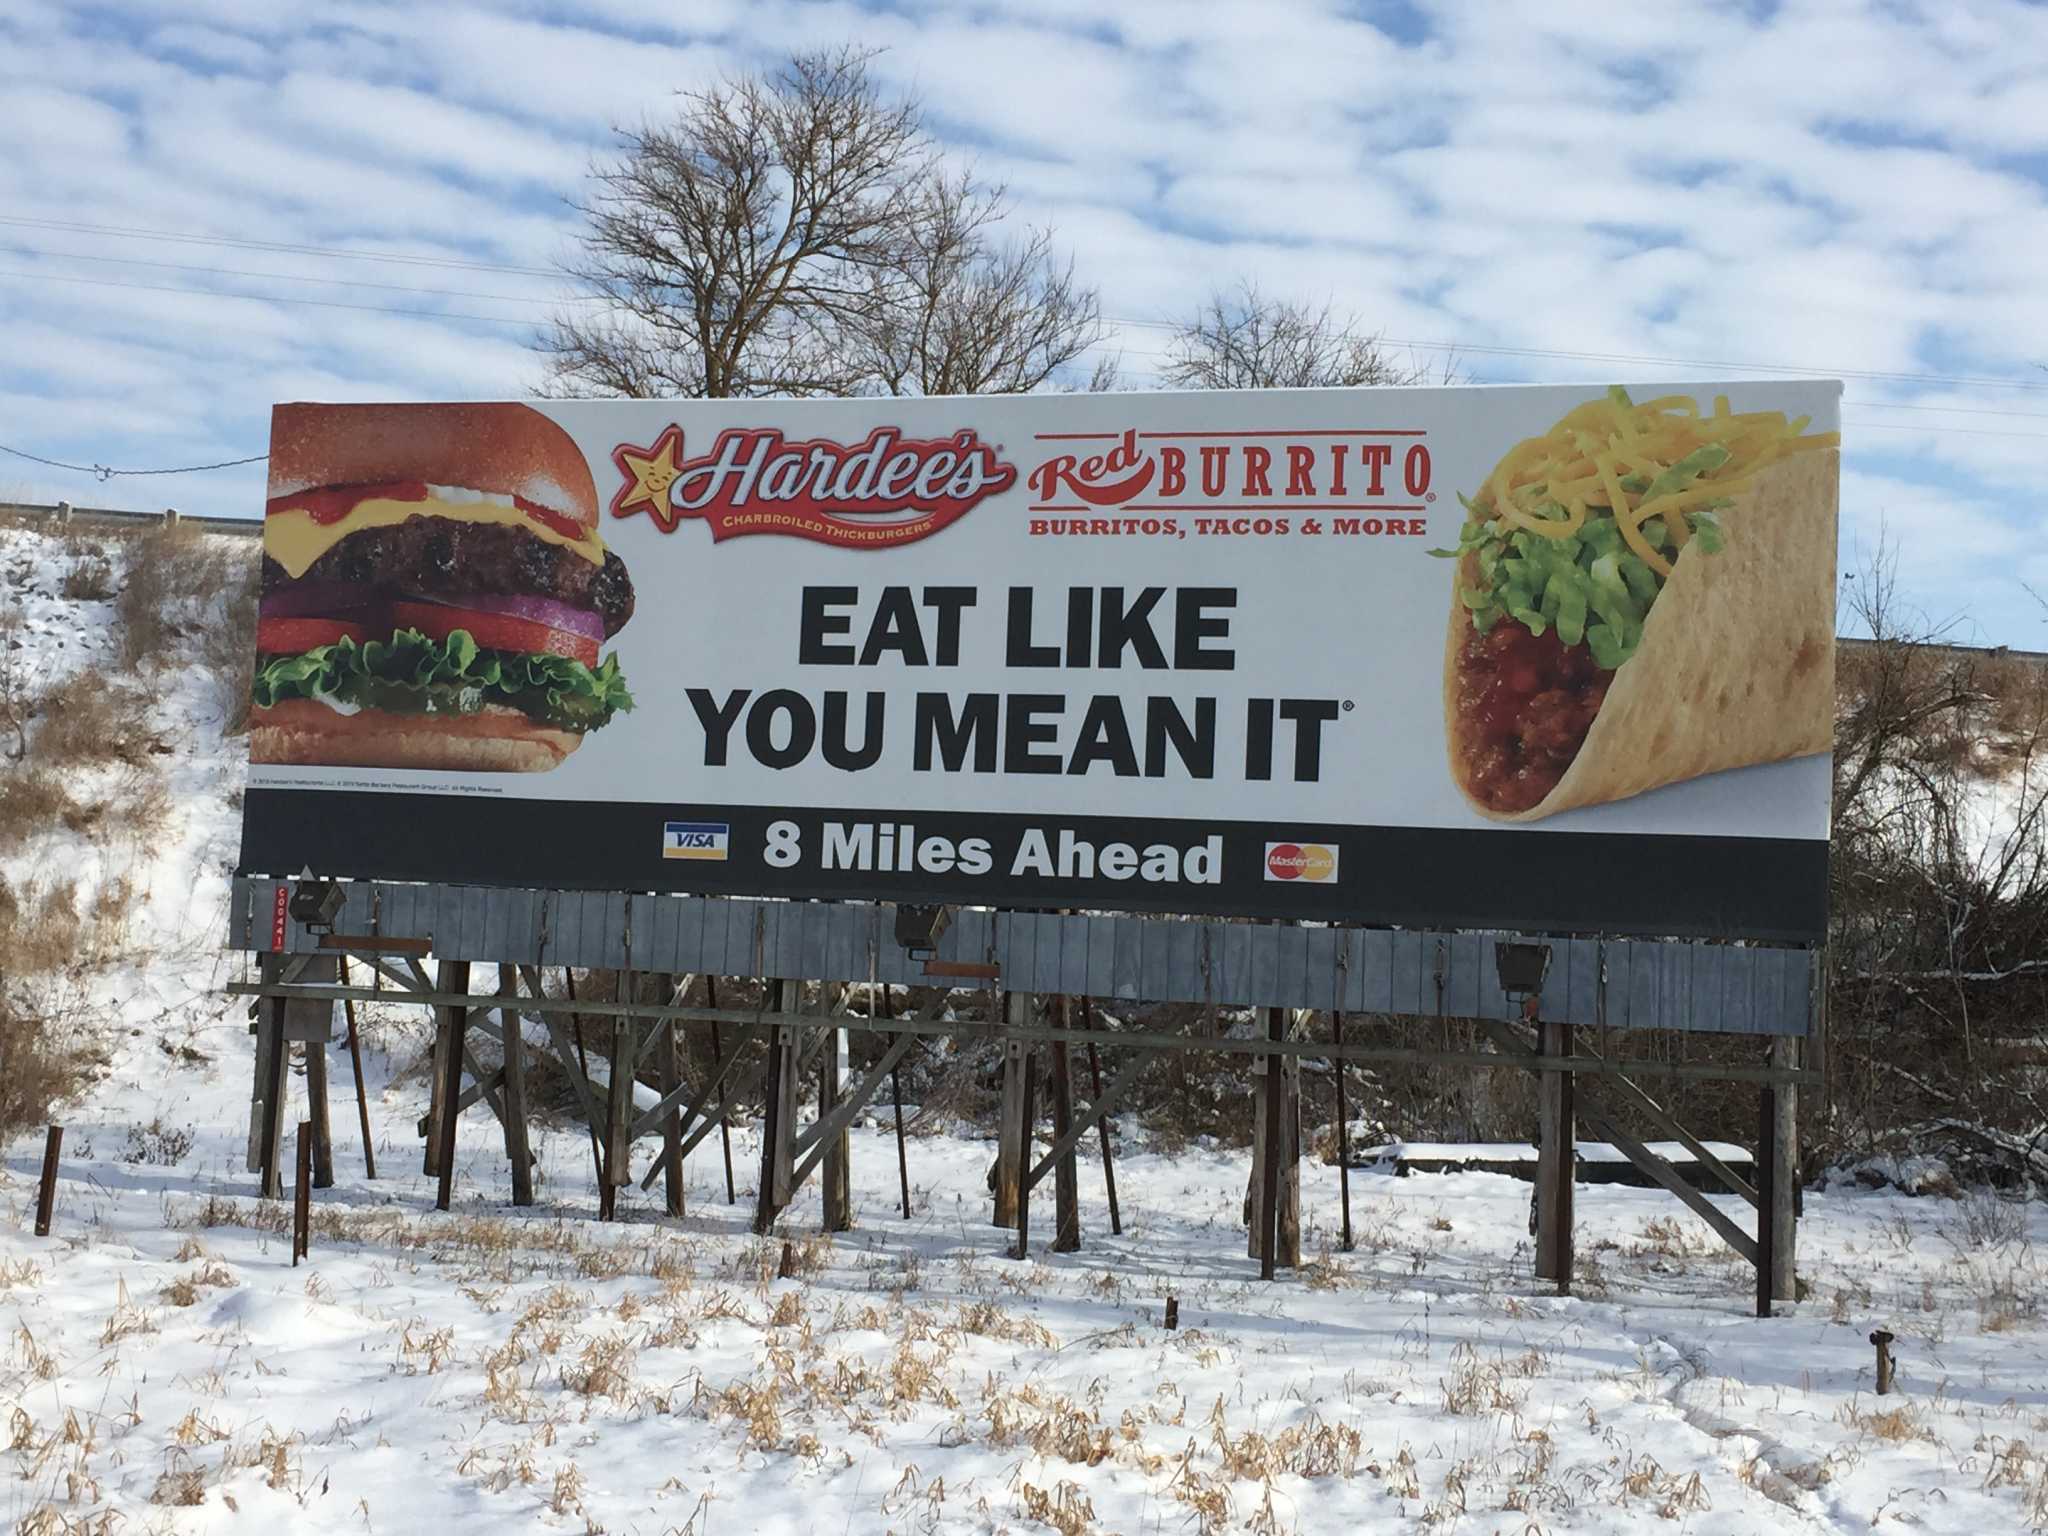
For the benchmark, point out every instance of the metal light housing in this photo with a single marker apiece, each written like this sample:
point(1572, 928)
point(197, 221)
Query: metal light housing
point(1522, 967)
point(918, 928)
point(315, 904)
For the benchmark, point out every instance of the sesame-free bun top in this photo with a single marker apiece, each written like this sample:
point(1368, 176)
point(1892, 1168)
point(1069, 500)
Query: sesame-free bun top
point(504, 448)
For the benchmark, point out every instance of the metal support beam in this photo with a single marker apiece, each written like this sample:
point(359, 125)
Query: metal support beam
point(778, 1130)
point(1066, 1227)
point(1027, 1114)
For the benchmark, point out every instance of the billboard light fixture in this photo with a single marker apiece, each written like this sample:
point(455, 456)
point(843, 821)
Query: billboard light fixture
point(315, 903)
point(918, 928)
point(1522, 968)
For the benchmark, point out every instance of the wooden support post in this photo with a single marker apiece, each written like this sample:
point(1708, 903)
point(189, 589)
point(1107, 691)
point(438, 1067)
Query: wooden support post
point(316, 1107)
point(454, 977)
point(355, 1061)
point(274, 1052)
point(1027, 1107)
point(618, 1145)
point(1010, 1161)
point(517, 1150)
point(46, 1187)
point(302, 1196)
point(718, 1065)
point(593, 1112)
point(1766, 1175)
point(778, 1128)
point(430, 1160)
point(896, 1100)
point(1339, 1068)
point(1783, 1188)
point(1066, 1235)
point(670, 1056)
point(837, 1188)
point(1557, 1132)
point(1273, 1202)
point(1116, 1220)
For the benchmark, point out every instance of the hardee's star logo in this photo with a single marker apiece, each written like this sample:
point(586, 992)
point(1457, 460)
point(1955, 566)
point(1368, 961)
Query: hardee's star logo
point(649, 472)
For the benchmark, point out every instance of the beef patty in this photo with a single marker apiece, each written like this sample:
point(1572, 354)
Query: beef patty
point(441, 557)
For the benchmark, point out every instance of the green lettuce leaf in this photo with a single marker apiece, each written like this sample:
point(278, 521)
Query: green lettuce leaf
point(412, 674)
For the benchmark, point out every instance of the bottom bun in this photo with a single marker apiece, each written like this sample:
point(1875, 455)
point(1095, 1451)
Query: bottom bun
point(496, 739)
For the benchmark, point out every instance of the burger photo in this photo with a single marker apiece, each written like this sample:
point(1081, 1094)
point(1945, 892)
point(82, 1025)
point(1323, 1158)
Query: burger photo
point(435, 594)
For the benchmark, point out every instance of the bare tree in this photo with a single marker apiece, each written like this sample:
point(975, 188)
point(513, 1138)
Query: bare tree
point(960, 313)
point(799, 234)
point(1245, 340)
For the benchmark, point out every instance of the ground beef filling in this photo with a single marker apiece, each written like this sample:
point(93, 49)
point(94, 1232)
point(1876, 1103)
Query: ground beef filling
point(440, 557)
point(1525, 705)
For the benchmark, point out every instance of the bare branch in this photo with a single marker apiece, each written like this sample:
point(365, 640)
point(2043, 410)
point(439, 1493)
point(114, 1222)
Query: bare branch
point(1245, 340)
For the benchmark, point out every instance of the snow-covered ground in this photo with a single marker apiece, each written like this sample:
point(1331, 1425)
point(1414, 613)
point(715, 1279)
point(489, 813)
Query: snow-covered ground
point(165, 1367)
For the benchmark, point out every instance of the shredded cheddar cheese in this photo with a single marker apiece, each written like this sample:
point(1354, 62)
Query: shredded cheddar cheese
point(1545, 485)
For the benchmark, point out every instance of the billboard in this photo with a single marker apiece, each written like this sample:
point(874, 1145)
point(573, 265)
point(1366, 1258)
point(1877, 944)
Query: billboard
point(1549, 657)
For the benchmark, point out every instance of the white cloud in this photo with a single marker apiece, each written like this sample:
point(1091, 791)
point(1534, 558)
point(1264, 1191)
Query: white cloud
point(1822, 183)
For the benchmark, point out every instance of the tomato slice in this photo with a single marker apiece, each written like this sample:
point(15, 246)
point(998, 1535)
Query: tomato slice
point(288, 637)
point(494, 631)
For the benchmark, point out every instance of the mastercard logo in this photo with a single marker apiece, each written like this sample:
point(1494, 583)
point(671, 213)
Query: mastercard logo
point(1301, 861)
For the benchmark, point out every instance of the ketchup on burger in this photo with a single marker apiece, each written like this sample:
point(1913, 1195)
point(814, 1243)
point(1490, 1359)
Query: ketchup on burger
point(435, 593)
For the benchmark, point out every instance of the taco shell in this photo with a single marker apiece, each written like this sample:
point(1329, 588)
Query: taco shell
point(1737, 660)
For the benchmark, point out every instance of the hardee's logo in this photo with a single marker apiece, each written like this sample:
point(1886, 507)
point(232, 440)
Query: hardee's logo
point(1313, 862)
point(885, 490)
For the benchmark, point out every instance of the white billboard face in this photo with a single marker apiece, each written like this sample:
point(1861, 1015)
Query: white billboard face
point(1553, 657)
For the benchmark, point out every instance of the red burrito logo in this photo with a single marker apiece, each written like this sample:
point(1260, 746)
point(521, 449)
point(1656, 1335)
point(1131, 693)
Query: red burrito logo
point(885, 490)
point(1301, 861)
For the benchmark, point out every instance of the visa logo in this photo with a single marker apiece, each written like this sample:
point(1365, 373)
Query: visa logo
point(695, 839)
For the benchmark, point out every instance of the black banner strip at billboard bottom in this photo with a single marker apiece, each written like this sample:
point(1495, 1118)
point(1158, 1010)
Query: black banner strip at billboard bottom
point(1508, 878)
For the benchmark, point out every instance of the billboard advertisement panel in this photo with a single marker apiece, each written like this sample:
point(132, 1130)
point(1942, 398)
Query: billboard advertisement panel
point(1550, 657)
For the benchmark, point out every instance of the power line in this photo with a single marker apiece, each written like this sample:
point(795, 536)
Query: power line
point(291, 277)
point(261, 298)
point(124, 232)
point(102, 472)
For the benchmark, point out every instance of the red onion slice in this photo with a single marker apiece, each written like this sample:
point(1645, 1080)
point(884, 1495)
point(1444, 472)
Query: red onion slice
point(539, 610)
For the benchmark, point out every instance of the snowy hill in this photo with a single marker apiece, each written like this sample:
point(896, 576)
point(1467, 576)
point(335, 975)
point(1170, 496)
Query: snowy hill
point(167, 1368)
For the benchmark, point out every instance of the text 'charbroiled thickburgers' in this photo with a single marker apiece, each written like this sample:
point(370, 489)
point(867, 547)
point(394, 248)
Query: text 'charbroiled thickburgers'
point(435, 592)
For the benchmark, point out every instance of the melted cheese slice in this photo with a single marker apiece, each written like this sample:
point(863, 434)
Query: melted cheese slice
point(294, 540)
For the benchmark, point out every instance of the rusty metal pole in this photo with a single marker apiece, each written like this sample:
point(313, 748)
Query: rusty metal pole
point(1116, 1220)
point(1340, 1066)
point(717, 1067)
point(46, 1190)
point(1269, 1182)
point(302, 1196)
point(1026, 1099)
point(896, 1097)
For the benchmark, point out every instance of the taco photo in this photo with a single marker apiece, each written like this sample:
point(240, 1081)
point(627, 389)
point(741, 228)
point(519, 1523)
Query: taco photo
point(1644, 594)
point(435, 592)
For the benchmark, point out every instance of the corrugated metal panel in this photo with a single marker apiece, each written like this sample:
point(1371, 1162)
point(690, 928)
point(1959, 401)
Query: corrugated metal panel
point(1705, 988)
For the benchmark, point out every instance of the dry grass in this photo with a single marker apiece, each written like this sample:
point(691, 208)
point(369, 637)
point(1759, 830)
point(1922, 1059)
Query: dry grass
point(40, 1066)
point(92, 718)
point(90, 577)
point(36, 801)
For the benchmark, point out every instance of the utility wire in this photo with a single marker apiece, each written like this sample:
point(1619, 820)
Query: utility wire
point(261, 298)
point(124, 232)
point(294, 277)
point(103, 473)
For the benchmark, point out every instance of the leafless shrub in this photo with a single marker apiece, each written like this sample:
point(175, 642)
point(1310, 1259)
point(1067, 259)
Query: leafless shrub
point(178, 581)
point(40, 1065)
point(37, 801)
point(157, 1143)
point(92, 718)
point(90, 578)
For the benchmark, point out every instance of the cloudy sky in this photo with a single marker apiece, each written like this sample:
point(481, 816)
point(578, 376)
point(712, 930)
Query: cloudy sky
point(208, 205)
